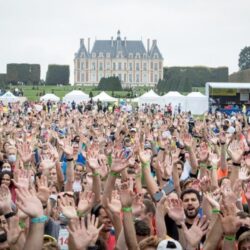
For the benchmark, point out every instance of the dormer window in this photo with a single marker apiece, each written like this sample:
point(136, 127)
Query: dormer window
point(100, 54)
point(155, 56)
point(108, 55)
point(93, 55)
point(144, 56)
point(119, 55)
point(130, 56)
point(137, 56)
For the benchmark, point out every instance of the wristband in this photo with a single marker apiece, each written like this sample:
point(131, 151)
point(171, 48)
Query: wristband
point(236, 164)
point(203, 165)
point(40, 219)
point(145, 165)
point(127, 209)
point(229, 237)
point(138, 176)
point(71, 159)
point(212, 168)
point(216, 211)
point(114, 174)
point(9, 215)
point(96, 174)
point(80, 214)
point(22, 224)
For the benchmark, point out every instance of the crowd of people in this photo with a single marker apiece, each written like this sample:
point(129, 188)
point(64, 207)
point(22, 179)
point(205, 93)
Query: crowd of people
point(145, 179)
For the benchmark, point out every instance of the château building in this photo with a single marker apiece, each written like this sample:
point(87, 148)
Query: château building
point(127, 59)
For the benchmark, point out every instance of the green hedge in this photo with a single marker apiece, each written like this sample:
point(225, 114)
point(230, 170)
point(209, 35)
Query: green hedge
point(184, 78)
point(23, 72)
point(57, 74)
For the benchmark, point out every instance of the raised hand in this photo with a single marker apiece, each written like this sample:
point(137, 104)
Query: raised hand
point(115, 204)
point(47, 162)
point(212, 201)
point(93, 228)
point(229, 221)
point(13, 230)
point(22, 178)
point(194, 234)
point(43, 189)
point(236, 151)
point(144, 156)
point(92, 159)
point(25, 152)
point(126, 195)
point(5, 199)
point(205, 184)
point(83, 237)
point(244, 175)
point(28, 202)
point(187, 140)
point(119, 163)
point(67, 206)
point(214, 160)
point(86, 202)
point(176, 210)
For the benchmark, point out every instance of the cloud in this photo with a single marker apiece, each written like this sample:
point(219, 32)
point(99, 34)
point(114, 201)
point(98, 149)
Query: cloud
point(189, 32)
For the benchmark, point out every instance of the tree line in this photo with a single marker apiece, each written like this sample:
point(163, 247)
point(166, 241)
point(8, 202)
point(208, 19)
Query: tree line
point(183, 79)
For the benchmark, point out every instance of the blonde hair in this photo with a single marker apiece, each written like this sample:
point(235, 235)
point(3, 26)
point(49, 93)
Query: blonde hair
point(50, 246)
point(151, 241)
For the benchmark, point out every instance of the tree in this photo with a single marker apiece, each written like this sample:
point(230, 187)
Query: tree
point(244, 58)
point(112, 83)
point(90, 94)
point(57, 74)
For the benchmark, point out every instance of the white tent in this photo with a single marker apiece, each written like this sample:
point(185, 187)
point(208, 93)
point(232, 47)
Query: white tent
point(8, 97)
point(197, 103)
point(77, 96)
point(50, 97)
point(150, 98)
point(104, 97)
point(175, 98)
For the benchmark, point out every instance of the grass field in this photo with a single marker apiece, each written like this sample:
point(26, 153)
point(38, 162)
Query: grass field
point(33, 93)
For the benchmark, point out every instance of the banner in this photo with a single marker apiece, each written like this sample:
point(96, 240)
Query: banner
point(223, 92)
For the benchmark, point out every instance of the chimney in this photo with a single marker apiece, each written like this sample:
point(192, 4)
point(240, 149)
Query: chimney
point(148, 45)
point(125, 41)
point(88, 44)
point(81, 42)
point(154, 43)
point(112, 42)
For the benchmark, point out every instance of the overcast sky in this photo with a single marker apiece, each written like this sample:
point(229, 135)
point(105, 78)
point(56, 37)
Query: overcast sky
point(188, 32)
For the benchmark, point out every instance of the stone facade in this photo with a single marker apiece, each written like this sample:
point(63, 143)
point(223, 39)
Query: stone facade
point(127, 59)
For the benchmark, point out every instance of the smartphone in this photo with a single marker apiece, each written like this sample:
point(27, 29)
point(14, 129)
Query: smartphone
point(167, 189)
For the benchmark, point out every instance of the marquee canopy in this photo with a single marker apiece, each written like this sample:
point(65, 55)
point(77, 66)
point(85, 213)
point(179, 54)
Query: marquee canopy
point(104, 97)
point(75, 95)
point(197, 103)
point(8, 97)
point(50, 97)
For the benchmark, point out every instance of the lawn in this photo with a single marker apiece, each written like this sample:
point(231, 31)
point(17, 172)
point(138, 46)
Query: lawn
point(33, 93)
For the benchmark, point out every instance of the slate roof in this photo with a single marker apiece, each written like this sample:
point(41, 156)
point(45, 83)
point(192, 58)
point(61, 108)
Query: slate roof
point(82, 51)
point(116, 46)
